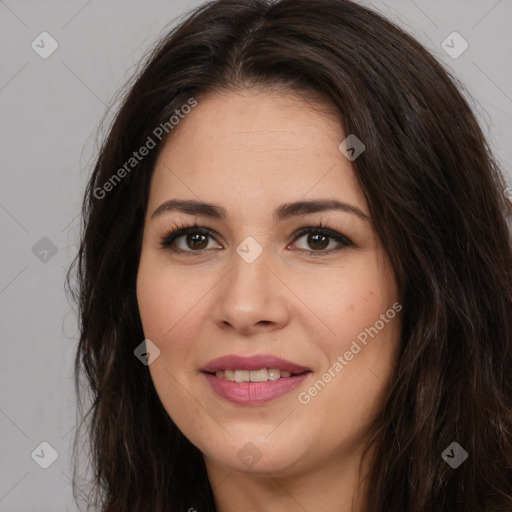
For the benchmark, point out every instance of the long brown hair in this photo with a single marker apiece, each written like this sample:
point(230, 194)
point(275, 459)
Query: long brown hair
point(437, 201)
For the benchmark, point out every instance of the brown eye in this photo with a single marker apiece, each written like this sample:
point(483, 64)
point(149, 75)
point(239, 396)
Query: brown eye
point(319, 238)
point(196, 241)
point(318, 241)
point(190, 241)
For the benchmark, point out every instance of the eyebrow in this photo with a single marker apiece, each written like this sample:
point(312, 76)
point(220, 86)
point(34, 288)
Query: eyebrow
point(283, 212)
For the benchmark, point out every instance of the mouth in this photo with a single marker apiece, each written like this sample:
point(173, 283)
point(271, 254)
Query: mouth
point(253, 380)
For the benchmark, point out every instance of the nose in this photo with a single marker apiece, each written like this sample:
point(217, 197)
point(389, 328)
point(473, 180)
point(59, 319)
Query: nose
point(251, 298)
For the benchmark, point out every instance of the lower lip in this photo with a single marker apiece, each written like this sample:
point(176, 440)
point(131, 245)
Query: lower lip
point(254, 393)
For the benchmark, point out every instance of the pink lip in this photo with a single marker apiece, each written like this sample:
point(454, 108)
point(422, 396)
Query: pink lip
point(254, 393)
point(234, 362)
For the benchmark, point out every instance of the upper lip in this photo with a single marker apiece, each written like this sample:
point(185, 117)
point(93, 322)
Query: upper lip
point(257, 362)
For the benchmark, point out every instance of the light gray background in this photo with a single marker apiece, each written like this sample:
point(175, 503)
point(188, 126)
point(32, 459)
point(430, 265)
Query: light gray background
point(50, 113)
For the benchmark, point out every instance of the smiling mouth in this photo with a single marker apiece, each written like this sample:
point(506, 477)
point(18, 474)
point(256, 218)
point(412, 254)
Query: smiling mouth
point(261, 375)
point(254, 387)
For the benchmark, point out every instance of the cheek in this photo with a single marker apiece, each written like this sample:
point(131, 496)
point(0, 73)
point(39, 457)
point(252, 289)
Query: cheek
point(172, 307)
point(170, 320)
point(352, 383)
point(366, 337)
point(348, 302)
point(168, 303)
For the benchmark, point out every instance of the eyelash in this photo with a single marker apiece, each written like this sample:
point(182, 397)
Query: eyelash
point(182, 229)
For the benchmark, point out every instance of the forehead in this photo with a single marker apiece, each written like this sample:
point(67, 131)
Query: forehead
point(253, 145)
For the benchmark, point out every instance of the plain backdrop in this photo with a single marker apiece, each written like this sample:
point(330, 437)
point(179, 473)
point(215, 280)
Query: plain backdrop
point(51, 110)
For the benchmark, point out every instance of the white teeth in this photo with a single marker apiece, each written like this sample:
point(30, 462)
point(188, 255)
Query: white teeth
point(241, 375)
point(262, 375)
point(274, 374)
point(258, 375)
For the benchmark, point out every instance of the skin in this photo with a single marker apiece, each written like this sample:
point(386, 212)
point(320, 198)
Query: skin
point(250, 151)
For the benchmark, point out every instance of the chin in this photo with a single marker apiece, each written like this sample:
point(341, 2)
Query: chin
point(258, 455)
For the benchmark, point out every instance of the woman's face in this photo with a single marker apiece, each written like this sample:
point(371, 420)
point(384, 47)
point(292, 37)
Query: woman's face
point(259, 287)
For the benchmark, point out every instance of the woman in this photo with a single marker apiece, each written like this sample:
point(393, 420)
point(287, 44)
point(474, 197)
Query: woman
point(295, 275)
